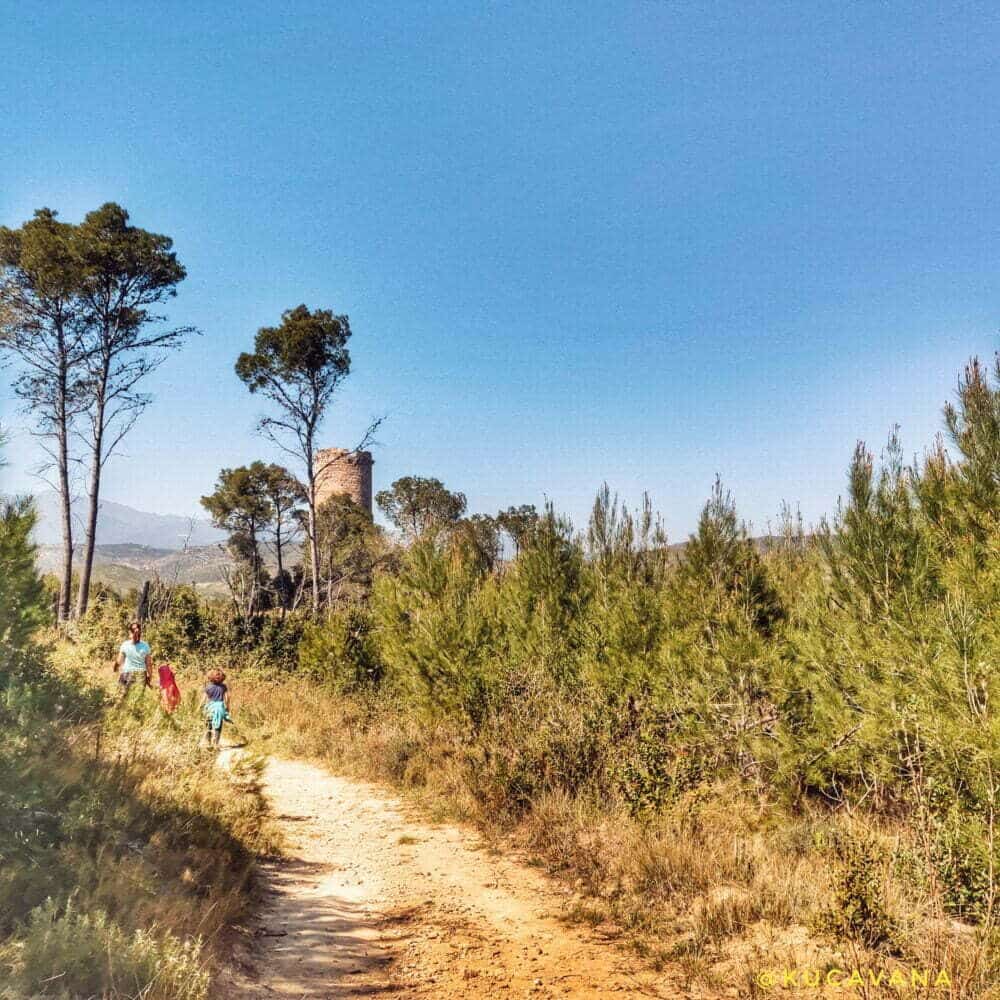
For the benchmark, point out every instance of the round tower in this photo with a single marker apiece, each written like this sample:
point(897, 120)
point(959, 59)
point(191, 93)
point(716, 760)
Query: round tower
point(341, 471)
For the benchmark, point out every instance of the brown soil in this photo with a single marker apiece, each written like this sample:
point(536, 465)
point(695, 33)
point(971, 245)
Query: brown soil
point(369, 901)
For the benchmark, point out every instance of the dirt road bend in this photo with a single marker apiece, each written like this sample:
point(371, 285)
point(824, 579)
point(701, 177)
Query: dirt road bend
point(371, 901)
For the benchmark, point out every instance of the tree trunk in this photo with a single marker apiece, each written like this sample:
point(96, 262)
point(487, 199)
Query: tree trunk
point(65, 605)
point(282, 595)
point(65, 500)
point(314, 549)
point(313, 540)
point(142, 608)
point(94, 504)
point(252, 600)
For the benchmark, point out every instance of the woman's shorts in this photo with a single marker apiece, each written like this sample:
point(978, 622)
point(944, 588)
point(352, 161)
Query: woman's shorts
point(129, 677)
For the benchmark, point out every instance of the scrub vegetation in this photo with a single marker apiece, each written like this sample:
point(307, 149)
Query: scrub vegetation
point(737, 751)
point(125, 855)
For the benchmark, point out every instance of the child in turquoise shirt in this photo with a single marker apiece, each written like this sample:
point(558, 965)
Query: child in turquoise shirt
point(215, 705)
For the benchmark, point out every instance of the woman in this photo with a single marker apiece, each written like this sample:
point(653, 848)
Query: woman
point(135, 660)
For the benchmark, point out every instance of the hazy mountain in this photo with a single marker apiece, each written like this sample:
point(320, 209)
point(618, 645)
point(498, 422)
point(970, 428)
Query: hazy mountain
point(125, 567)
point(121, 525)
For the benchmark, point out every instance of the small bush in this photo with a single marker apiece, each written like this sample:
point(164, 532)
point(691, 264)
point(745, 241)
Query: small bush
point(859, 911)
point(962, 859)
point(341, 652)
point(64, 953)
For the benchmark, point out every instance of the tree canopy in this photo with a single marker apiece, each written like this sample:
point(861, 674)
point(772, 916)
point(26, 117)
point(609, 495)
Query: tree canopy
point(126, 272)
point(414, 504)
point(78, 308)
point(42, 325)
point(298, 366)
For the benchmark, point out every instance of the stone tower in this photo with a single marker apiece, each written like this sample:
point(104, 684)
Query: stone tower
point(343, 471)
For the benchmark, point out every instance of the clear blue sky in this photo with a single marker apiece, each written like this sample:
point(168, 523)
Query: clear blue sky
point(641, 242)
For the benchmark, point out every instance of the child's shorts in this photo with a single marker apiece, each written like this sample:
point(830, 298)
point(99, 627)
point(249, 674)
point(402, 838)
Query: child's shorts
point(215, 715)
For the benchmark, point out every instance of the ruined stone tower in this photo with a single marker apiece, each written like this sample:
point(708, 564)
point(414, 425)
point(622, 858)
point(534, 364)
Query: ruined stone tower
point(343, 471)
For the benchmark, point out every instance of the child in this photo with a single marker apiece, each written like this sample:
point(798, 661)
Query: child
point(215, 705)
point(170, 693)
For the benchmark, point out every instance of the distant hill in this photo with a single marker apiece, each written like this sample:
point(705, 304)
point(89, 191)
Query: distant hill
point(121, 525)
point(125, 567)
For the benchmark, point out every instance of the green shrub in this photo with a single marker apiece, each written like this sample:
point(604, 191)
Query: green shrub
point(853, 670)
point(186, 625)
point(537, 738)
point(341, 651)
point(435, 625)
point(116, 847)
point(961, 855)
point(22, 596)
point(859, 911)
point(64, 953)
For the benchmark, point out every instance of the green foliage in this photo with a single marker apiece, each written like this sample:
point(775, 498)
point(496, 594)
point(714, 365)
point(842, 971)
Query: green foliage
point(876, 550)
point(100, 633)
point(298, 366)
point(535, 738)
point(518, 523)
point(341, 651)
point(859, 911)
point(95, 957)
point(721, 571)
point(40, 264)
point(101, 837)
point(627, 560)
point(649, 768)
point(482, 534)
point(434, 622)
point(184, 626)
point(300, 361)
point(851, 670)
point(247, 501)
point(191, 632)
point(961, 856)
point(543, 600)
point(126, 274)
point(125, 269)
point(348, 547)
point(416, 505)
point(241, 504)
point(974, 428)
point(22, 596)
point(41, 319)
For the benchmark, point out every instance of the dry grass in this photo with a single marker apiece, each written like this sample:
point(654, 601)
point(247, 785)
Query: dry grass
point(720, 884)
point(152, 862)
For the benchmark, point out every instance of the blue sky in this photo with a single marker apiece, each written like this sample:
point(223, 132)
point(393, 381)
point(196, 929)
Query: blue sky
point(634, 242)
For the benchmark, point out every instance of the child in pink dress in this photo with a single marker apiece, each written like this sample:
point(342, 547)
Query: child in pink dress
point(170, 693)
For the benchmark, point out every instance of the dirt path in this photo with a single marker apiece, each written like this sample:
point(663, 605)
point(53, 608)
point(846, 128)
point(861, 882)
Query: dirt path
point(370, 901)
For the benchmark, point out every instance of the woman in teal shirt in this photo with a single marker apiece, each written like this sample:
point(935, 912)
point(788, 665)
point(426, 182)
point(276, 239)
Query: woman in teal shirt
point(135, 659)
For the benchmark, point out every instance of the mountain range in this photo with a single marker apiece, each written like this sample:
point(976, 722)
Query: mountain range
point(125, 567)
point(134, 545)
point(121, 525)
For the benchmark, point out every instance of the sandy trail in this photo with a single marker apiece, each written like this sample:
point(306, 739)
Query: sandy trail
point(371, 901)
